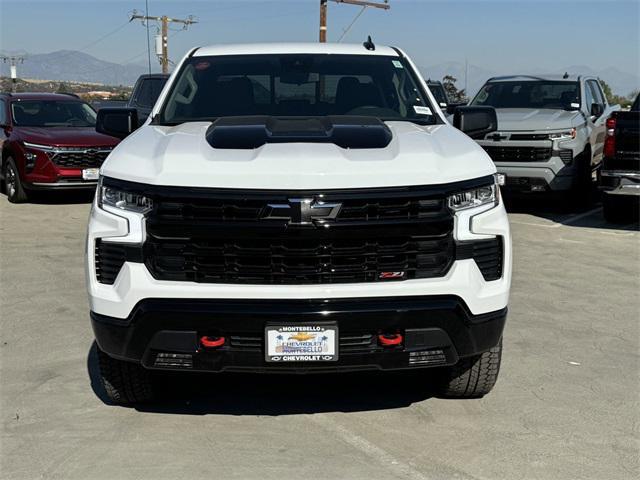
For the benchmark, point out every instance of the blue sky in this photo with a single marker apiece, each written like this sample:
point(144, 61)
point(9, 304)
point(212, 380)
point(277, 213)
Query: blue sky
point(495, 34)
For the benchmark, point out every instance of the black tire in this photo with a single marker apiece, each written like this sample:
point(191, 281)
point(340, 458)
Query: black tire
point(620, 208)
point(472, 377)
point(12, 183)
point(126, 383)
point(581, 193)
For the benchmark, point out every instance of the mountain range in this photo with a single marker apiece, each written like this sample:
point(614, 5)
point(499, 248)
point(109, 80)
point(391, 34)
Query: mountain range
point(72, 65)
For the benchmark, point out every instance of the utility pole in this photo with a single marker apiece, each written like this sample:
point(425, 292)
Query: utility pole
point(364, 4)
point(13, 60)
point(162, 43)
point(323, 21)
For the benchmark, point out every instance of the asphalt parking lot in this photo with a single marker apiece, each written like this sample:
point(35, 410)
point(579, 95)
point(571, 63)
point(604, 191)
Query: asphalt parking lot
point(566, 405)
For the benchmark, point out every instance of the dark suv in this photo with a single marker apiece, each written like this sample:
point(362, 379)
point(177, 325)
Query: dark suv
point(48, 141)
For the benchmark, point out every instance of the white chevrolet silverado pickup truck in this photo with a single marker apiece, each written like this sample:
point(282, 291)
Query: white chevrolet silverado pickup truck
point(551, 132)
point(298, 208)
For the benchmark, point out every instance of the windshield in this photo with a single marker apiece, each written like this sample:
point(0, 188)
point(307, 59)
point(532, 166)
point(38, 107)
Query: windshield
point(52, 113)
point(207, 88)
point(439, 94)
point(530, 94)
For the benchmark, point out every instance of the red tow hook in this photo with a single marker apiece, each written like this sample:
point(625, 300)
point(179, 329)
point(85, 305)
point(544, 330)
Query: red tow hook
point(390, 339)
point(212, 342)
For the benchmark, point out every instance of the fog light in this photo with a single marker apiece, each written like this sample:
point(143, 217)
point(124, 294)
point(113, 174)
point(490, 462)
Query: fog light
point(30, 160)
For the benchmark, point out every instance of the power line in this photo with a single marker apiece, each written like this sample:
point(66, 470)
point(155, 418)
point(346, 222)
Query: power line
point(13, 60)
point(146, 5)
point(362, 3)
point(162, 48)
point(346, 30)
point(95, 42)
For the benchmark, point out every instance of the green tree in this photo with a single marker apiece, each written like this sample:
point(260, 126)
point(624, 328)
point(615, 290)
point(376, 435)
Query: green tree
point(455, 95)
point(63, 88)
point(607, 90)
point(614, 99)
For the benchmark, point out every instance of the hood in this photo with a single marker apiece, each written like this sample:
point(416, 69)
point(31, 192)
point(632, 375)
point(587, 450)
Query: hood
point(181, 156)
point(66, 136)
point(521, 119)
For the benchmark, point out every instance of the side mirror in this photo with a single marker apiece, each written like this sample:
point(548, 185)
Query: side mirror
point(597, 109)
point(476, 122)
point(117, 122)
point(451, 108)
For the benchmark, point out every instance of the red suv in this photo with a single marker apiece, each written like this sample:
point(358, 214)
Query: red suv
point(48, 141)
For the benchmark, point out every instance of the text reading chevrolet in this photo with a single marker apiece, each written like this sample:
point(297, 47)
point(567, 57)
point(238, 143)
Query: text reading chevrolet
point(298, 207)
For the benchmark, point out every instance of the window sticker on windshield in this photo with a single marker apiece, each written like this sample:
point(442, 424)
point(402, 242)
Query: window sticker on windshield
point(202, 65)
point(575, 105)
point(420, 110)
point(397, 64)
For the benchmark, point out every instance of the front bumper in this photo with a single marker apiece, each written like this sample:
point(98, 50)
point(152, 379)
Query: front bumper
point(134, 283)
point(163, 333)
point(73, 184)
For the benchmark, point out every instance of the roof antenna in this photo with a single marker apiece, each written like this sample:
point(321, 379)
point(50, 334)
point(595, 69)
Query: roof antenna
point(369, 44)
point(565, 76)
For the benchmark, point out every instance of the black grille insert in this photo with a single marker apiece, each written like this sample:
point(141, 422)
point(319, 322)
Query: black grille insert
point(110, 256)
point(281, 260)
point(518, 154)
point(488, 255)
point(109, 259)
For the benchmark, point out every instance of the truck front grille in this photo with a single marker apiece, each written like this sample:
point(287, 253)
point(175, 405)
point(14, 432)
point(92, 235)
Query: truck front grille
point(518, 154)
point(281, 260)
point(391, 234)
point(85, 158)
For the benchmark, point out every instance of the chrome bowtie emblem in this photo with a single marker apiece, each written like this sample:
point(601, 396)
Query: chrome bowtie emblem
point(496, 137)
point(302, 211)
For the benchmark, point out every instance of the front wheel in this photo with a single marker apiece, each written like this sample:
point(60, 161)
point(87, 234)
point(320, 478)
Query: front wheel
point(126, 383)
point(472, 377)
point(580, 194)
point(12, 183)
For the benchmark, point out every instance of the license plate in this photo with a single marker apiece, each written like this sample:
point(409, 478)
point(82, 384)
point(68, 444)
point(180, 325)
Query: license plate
point(90, 174)
point(301, 343)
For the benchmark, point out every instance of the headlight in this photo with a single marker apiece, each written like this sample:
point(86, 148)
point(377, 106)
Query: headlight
point(563, 135)
point(487, 195)
point(129, 201)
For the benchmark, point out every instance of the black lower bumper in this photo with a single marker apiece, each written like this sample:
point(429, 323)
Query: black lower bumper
point(164, 333)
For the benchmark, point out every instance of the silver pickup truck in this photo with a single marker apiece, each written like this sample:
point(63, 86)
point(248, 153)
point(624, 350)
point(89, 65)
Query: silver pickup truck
point(551, 132)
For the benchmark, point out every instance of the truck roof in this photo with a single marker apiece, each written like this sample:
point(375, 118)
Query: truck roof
point(41, 96)
point(553, 77)
point(294, 48)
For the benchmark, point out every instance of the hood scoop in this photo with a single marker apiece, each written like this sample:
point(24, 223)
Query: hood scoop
point(255, 131)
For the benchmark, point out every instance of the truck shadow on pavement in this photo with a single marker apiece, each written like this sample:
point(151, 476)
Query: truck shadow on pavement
point(274, 395)
point(555, 209)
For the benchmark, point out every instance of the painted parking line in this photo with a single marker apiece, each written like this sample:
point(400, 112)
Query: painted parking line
point(547, 223)
point(574, 218)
